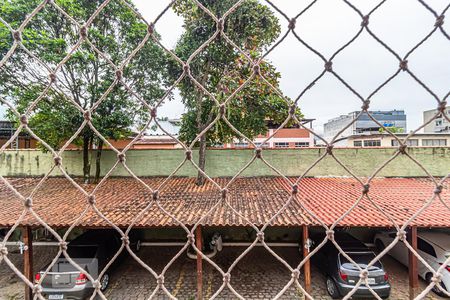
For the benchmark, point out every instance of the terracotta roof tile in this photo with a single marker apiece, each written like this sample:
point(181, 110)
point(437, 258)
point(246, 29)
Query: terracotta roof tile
point(59, 203)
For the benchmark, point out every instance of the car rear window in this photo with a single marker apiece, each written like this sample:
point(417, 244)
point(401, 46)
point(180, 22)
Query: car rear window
point(80, 251)
point(362, 259)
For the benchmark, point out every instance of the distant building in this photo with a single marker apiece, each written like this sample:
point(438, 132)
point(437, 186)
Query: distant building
point(154, 137)
point(157, 138)
point(161, 137)
point(294, 136)
point(387, 140)
point(22, 141)
point(440, 124)
point(364, 124)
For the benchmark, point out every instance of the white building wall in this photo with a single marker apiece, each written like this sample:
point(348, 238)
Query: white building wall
point(440, 124)
point(332, 127)
point(386, 140)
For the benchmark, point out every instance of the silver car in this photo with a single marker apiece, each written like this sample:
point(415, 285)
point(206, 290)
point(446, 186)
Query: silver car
point(92, 251)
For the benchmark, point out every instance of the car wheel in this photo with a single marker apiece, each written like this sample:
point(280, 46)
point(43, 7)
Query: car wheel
point(137, 247)
point(379, 245)
point(435, 289)
point(332, 288)
point(104, 282)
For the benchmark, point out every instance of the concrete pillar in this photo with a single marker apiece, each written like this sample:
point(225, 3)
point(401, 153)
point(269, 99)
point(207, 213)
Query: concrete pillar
point(27, 238)
point(307, 265)
point(413, 262)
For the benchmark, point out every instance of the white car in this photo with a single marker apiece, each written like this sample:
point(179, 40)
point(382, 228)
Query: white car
point(434, 247)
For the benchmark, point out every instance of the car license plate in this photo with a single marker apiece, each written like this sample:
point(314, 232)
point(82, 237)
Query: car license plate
point(371, 280)
point(55, 297)
point(61, 279)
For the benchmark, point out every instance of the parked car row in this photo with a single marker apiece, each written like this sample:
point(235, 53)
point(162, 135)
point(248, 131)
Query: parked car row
point(93, 250)
point(342, 275)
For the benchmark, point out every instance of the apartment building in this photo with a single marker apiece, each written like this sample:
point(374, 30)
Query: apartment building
point(363, 124)
point(440, 124)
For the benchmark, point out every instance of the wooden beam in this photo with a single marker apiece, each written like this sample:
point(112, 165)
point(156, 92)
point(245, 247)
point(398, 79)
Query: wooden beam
point(307, 265)
point(199, 245)
point(413, 262)
point(27, 238)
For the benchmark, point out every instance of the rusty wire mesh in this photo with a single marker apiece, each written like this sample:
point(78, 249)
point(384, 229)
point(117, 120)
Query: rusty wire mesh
point(293, 21)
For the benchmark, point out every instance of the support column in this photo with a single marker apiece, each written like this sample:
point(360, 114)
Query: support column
point(307, 265)
point(413, 262)
point(199, 245)
point(27, 238)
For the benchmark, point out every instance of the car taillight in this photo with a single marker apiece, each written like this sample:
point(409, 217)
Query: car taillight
point(37, 277)
point(386, 277)
point(446, 267)
point(343, 276)
point(81, 279)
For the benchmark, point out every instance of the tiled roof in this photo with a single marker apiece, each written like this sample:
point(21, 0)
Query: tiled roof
point(59, 203)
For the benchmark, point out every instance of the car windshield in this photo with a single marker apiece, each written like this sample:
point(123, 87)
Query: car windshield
point(362, 259)
point(80, 251)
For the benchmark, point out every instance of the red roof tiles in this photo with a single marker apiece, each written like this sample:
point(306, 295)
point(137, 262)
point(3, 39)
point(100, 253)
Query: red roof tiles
point(59, 203)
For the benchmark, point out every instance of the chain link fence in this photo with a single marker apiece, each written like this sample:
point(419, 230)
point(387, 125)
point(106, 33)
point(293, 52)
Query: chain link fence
point(294, 21)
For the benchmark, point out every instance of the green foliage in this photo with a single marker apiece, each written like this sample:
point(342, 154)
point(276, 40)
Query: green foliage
point(86, 76)
point(391, 129)
point(221, 69)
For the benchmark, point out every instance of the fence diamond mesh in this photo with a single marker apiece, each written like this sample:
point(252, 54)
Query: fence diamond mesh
point(294, 22)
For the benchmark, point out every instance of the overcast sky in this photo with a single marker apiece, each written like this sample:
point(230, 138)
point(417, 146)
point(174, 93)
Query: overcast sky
point(327, 26)
point(365, 64)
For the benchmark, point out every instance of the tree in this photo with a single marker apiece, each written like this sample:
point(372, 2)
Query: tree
point(86, 76)
point(221, 69)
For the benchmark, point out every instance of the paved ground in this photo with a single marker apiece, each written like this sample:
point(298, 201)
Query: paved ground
point(130, 281)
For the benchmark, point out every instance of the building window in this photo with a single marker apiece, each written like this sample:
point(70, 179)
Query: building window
point(241, 145)
point(410, 143)
point(357, 143)
point(265, 145)
point(301, 144)
point(434, 142)
point(372, 143)
point(282, 145)
point(27, 144)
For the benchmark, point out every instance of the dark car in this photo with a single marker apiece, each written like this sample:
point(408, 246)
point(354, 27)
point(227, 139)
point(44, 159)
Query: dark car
point(92, 251)
point(342, 275)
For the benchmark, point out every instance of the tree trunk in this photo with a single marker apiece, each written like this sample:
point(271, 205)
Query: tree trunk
point(86, 162)
point(201, 126)
point(98, 161)
point(201, 159)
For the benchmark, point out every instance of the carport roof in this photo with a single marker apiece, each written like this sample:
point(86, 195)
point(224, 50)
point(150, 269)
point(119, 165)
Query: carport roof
point(59, 203)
